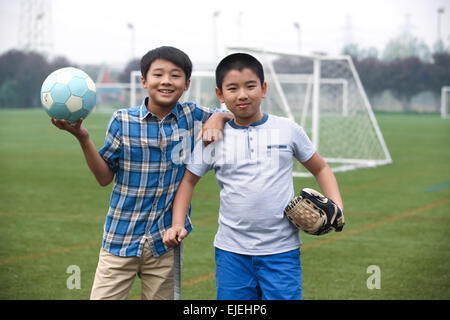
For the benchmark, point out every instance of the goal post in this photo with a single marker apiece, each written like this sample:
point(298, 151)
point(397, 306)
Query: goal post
point(445, 102)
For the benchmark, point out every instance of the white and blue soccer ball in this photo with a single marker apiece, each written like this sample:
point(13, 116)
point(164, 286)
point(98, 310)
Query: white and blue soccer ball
point(69, 94)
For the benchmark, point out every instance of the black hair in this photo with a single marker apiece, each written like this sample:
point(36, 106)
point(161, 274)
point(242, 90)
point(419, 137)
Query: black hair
point(174, 55)
point(238, 61)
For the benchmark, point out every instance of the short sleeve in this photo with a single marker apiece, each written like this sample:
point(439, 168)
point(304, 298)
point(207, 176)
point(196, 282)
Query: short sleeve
point(111, 149)
point(303, 147)
point(199, 163)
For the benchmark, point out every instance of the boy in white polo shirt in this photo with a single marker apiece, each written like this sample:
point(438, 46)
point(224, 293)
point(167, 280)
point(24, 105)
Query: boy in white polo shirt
point(257, 248)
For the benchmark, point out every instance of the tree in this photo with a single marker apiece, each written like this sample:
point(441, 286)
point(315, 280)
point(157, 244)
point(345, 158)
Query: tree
point(407, 77)
point(21, 77)
point(61, 62)
point(356, 52)
point(404, 46)
point(439, 71)
point(407, 68)
point(372, 73)
point(9, 93)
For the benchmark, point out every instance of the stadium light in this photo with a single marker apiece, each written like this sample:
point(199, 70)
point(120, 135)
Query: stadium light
point(215, 40)
point(299, 42)
point(440, 44)
point(133, 39)
point(239, 25)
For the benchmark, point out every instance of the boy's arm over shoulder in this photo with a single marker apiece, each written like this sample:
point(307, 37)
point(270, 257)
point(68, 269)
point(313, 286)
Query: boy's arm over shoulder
point(213, 120)
point(198, 113)
point(212, 130)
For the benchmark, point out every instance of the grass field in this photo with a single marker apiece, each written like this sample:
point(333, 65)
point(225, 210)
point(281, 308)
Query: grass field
point(397, 217)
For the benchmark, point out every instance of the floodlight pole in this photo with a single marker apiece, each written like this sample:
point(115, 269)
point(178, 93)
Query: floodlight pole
point(440, 11)
point(215, 40)
point(299, 41)
point(239, 26)
point(133, 39)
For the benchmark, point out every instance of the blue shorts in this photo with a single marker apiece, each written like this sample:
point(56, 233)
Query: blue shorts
point(268, 277)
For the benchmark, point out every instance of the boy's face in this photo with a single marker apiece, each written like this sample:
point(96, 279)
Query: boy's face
point(243, 92)
point(165, 83)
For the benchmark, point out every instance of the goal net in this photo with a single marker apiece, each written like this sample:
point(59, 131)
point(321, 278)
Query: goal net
point(322, 94)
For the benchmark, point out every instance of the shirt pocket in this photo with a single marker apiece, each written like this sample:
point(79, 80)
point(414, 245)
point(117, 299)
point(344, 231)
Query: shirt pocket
point(278, 155)
point(275, 149)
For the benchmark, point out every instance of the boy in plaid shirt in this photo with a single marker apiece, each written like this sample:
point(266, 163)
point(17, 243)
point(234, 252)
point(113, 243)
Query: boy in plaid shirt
point(144, 152)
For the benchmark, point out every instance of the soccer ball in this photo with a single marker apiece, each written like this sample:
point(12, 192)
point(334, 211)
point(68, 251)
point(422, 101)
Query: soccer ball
point(69, 94)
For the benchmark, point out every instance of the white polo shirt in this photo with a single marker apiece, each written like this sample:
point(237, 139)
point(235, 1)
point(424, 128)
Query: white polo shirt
point(253, 166)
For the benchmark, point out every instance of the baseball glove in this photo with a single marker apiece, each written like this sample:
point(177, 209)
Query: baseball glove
point(314, 213)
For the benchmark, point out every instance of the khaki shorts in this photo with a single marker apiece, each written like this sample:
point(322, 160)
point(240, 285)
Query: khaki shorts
point(115, 275)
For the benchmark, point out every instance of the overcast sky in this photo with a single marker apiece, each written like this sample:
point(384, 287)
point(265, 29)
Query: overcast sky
point(95, 31)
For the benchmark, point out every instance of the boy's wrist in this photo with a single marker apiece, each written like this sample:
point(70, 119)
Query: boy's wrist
point(83, 139)
point(225, 116)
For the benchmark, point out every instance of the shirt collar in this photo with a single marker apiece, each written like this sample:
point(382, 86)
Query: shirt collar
point(144, 111)
point(254, 124)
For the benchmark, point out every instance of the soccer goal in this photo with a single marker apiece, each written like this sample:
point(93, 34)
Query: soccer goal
point(445, 101)
point(325, 96)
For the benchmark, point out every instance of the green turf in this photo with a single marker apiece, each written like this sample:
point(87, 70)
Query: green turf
point(52, 213)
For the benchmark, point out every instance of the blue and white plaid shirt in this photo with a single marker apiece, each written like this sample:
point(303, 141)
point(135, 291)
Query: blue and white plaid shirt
point(147, 156)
